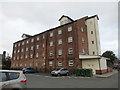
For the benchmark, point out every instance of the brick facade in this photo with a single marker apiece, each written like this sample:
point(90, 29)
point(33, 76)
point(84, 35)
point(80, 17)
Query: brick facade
point(36, 53)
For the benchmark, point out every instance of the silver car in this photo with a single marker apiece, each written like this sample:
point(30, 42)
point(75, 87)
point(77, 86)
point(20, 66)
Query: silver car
point(12, 80)
point(60, 71)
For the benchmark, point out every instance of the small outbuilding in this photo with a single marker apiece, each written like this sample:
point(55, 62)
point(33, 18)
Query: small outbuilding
point(95, 62)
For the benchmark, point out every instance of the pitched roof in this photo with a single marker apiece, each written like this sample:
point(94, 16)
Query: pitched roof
point(27, 35)
point(66, 17)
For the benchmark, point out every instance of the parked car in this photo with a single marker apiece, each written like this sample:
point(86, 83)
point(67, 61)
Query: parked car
point(29, 70)
point(60, 71)
point(12, 80)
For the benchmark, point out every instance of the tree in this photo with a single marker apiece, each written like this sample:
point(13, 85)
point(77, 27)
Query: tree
point(110, 55)
point(6, 61)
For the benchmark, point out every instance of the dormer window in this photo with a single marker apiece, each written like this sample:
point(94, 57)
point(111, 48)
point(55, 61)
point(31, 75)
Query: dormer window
point(65, 19)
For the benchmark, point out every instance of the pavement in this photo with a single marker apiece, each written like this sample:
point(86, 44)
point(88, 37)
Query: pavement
point(105, 75)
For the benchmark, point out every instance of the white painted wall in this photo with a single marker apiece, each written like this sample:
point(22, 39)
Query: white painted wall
point(103, 63)
point(91, 63)
point(92, 25)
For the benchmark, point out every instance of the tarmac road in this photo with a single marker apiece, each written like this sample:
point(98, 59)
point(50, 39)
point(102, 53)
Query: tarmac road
point(47, 81)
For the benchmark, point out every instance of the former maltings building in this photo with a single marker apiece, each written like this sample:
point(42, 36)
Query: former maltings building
point(57, 47)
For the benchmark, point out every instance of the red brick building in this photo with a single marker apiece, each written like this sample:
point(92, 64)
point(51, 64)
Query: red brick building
point(56, 47)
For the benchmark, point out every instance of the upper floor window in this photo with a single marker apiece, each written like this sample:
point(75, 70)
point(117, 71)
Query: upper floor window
point(83, 51)
point(82, 30)
point(31, 47)
point(22, 57)
point(22, 50)
point(43, 37)
point(19, 44)
point(23, 43)
point(70, 51)
point(51, 53)
point(91, 32)
point(15, 51)
point(43, 45)
point(31, 55)
point(60, 41)
point(83, 40)
point(38, 38)
point(18, 50)
point(27, 49)
point(51, 34)
point(26, 56)
point(27, 41)
point(59, 32)
point(15, 45)
point(51, 43)
point(37, 46)
point(92, 42)
point(60, 52)
point(17, 57)
point(70, 39)
point(37, 55)
point(32, 40)
point(69, 28)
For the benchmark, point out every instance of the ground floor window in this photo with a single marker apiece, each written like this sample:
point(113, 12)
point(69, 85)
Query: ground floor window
point(59, 63)
point(50, 63)
point(71, 62)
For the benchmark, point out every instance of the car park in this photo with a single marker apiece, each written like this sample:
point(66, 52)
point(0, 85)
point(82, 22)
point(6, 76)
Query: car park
point(60, 71)
point(29, 70)
point(12, 80)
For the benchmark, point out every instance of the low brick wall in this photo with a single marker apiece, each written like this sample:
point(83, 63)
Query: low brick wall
point(104, 71)
point(101, 71)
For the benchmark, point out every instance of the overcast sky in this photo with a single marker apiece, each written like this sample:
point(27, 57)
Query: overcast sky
point(32, 18)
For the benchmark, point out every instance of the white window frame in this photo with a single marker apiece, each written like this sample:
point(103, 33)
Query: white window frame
point(70, 39)
point(26, 56)
point(82, 30)
point(14, 58)
point(17, 57)
point(23, 43)
point(59, 41)
point(59, 63)
point(18, 51)
point(51, 34)
point(30, 64)
point(22, 57)
point(15, 45)
point(83, 40)
point(51, 53)
point(71, 62)
point(43, 45)
point(60, 52)
point(59, 32)
point(43, 36)
point(31, 55)
point(31, 48)
point(50, 63)
point(38, 38)
point(18, 44)
point(83, 51)
point(26, 48)
point(37, 46)
point(37, 55)
point(22, 50)
point(32, 40)
point(27, 41)
point(69, 28)
point(70, 50)
point(51, 43)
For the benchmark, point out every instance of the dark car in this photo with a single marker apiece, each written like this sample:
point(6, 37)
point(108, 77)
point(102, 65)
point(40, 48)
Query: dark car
point(60, 71)
point(29, 70)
